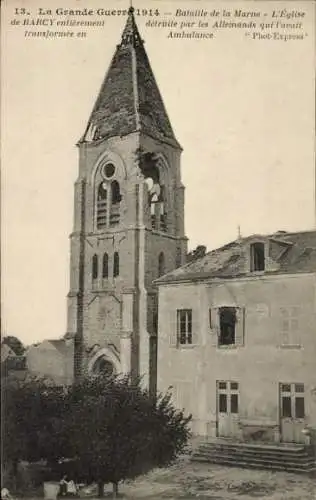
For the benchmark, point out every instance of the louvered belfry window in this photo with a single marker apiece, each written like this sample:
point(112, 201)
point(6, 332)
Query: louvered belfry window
point(108, 199)
point(102, 205)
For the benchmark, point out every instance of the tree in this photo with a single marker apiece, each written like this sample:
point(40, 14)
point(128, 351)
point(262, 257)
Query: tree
point(102, 429)
point(33, 424)
point(118, 431)
point(15, 344)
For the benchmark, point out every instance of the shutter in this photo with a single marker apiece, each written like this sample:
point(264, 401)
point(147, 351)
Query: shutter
point(173, 336)
point(240, 326)
point(294, 326)
point(214, 325)
point(284, 326)
point(194, 327)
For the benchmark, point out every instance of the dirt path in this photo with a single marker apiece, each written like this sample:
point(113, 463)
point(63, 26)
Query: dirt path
point(209, 482)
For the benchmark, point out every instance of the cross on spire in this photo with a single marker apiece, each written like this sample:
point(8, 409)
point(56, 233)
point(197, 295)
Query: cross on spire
point(130, 35)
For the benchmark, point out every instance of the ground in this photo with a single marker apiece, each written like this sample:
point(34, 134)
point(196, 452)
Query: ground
point(190, 481)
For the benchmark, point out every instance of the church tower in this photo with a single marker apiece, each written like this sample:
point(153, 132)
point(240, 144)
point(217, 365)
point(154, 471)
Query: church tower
point(128, 219)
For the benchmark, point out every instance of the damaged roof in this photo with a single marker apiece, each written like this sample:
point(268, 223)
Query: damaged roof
point(287, 253)
point(129, 99)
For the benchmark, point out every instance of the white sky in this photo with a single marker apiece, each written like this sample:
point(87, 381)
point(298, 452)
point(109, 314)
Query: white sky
point(243, 111)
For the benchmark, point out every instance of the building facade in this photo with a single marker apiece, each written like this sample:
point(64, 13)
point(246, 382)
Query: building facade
point(128, 219)
point(51, 360)
point(237, 338)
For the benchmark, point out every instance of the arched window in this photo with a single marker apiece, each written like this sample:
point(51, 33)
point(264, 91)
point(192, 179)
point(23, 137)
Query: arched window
point(115, 203)
point(162, 208)
point(105, 266)
point(102, 202)
point(116, 264)
point(94, 267)
point(161, 264)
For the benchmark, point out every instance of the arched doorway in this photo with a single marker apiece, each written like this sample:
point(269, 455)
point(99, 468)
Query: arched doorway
point(103, 366)
point(104, 361)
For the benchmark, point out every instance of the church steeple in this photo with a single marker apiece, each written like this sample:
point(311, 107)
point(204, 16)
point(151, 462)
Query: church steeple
point(129, 99)
point(128, 219)
point(130, 35)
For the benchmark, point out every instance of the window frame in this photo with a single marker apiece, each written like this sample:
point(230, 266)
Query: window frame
point(187, 334)
point(116, 264)
point(254, 257)
point(221, 324)
point(111, 209)
point(289, 337)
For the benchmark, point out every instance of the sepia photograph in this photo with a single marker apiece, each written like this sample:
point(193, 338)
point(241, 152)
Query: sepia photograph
point(158, 310)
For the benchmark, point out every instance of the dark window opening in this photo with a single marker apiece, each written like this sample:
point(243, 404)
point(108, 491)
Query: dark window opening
point(109, 170)
point(105, 266)
point(161, 264)
point(184, 326)
point(115, 203)
point(227, 325)
point(234, 386)
point(299, 407)
point(257, 257)
point(102, 202)
point(116, 193)
point(234, 403)
point(116, 264)
point(94, 267)
point(222, 403)
point(286, 407)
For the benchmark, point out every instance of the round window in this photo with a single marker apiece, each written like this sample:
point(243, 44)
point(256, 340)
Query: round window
point(108, 170)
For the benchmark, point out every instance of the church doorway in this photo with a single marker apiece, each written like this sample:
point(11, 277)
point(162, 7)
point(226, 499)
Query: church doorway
point(104, 361)
point(103, 366)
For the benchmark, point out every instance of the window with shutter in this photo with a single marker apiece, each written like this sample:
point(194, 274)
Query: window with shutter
point(184, 327)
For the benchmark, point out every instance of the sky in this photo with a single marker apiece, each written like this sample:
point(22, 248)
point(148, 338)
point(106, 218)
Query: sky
point(242, 109)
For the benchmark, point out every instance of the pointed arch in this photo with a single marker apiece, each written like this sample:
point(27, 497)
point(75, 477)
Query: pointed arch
point(161, 264)
point(105, 266)
point(95, 267)
point(107, 354)
point(116, 264)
